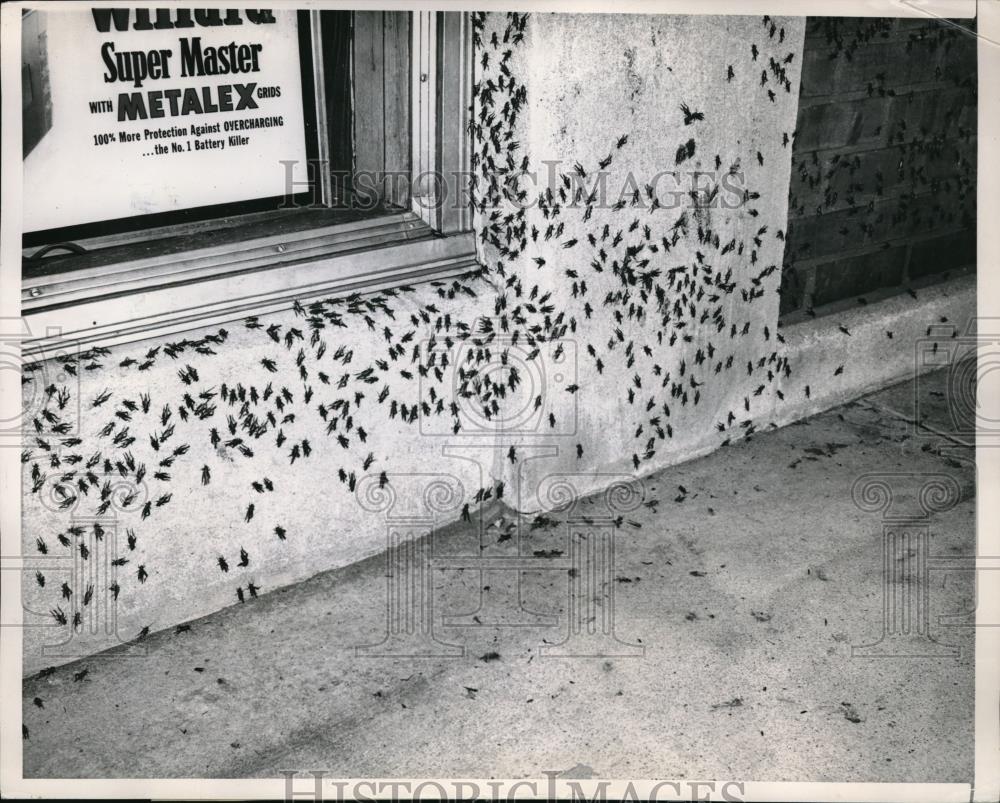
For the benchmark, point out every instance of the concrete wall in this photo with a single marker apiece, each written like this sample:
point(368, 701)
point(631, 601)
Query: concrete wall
point(696, 286)
point(178, 545)
point(533, 408)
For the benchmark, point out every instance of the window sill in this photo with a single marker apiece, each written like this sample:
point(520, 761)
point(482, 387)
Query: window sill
point(150, 295)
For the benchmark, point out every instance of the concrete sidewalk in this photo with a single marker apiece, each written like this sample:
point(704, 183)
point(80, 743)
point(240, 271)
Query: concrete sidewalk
point(746, 585)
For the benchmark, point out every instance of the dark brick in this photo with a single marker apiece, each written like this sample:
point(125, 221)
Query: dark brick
point(838, 124)
point(910, 165)
point(940, 113)
point(848, 230)
point(885, 65)
point(850, 278)
point(951, 252)
point(793, 288)
point(850, 29)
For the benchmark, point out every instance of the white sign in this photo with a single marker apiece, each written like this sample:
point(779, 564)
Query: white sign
point(141, 111)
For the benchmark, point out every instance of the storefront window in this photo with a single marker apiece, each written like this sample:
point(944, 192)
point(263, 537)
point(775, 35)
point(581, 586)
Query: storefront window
point(167, 149)
point(138, 115)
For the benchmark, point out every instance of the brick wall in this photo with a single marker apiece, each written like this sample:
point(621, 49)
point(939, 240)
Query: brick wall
point(883, 189)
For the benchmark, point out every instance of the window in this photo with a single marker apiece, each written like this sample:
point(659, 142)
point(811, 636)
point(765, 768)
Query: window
point(248, 161)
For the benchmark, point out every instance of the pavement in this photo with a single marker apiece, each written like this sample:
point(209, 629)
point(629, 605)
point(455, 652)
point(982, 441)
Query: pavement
point(746, 592)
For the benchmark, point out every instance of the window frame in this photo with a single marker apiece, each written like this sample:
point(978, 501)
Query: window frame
point(141, 294)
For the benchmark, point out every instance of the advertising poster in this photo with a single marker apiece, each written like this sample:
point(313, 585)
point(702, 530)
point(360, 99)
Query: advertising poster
point(132, 112)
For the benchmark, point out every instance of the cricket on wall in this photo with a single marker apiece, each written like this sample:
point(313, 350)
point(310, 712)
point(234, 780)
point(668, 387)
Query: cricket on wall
point(142, 111)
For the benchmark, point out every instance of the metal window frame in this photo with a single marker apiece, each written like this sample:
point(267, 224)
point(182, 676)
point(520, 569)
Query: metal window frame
point(442, 100)
point(158, 295)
